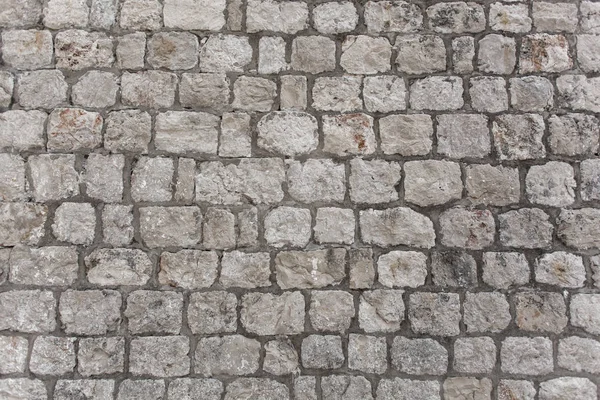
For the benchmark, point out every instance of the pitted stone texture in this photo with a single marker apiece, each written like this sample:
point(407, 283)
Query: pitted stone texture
point(511, 389)
point(260, 388)
point(288, 226)
point(19, 13)
point(28, 311)
point(419, 356)
point(230, 355)
point(160, 356)
point(322, 352)
point(267, 314)
point(205, 90)
point(78, 49)
point(453, 268)
point(188, 269)
point(460, 388)
point(253, 94)
point(170, 226)
point(313, 54)
point(150, 311)
point(191, 388)
point(365, 55)
point(14, 351)
point(526, 356)
point(402, 269)
point(52, 355)
point(27, 49)
point(67, 389)
point(103, 177)
point(334, 225)
point(42, 89)
point(246, 270)
point(349, 134)
point(407, 135)
point(131, 50)
point(579, 354)
point(128, 131)
point(528, 228)
point(585, 313)
point(153, 89)
point(346, 386)
point(392, 16)
point(432, 182)
point(551, 184)
point(470, 229)
point(316, 180)
point(560, 269)
point(117, 224)
point(194, 14)
point(493, 185)
point(555, 389)
point(394, 226)
point(486, 312)
point(331, 310)
point(519, 137)
point(337, 93)
point(381, 310)
point(542, 52)
point(435, 314)
point(437, 93)
point(420, 54)
point(105, 86)
point(465, 135)
point(44, 266)
point(98, 356)
point(456, 17)
point(549, 17)
point(300, 130)
point(497, 54)
point(21, 223)
point(90, 312)
point(141, 15)
point(374, 181)
point(30, 128)
point(333, 18)
point(384, 93)
point(281, 358)
point(579, 228)
point(277, 16)
point(367, 353)
point(540, 311)
point(510, 17)
point(75, 223)
point(212, 312)
point(488, 94)
point(405, 389)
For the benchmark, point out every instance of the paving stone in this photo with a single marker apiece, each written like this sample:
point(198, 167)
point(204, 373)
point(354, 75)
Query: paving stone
point(346, 386)
point(144, 388)
point(526, 356)
point(229, 355)
point(225, 53)
point(41, 89)
point(579, 354)
point(437, 93)
point(488, 94)
point(349, 134)
point(432, 182)
point(130, 51)
point(75, 223)
point(334, 18)
point(316, 180)
point(404, 389)
point(490, 47)
point(27, 49)
point(525, 228)
point(271, 55)
point(322, 352)
point(288, 227)
point(14, 351)
point(43, 266)
point(577, 228)
point(141, 15)
point(24, 388)
point(554, 389)
point(246, 270)
point(103, 177)
point(281, 358)
point(334, 225)
point(519, 137)
point(331, 310)
point(28, 311)
point(460, 388)
point(277, 16)
point(170, 226)
point(293, 93)
point(90, 312)
point(402, 269)
point(212, 312)
point(22, 130)
point(502, 270)
point(407, 135)
point(420, 54)
point(392, 16)
point(542, 52)
point(475, 355)
point(77, 49)
point(510, 18)
point(531, 93)
point(463, 53)
point(117, 224)
point(584, 312)
point(267, 314)
point(261, 388)
point(22, 223)
point(52, 355)
point(128, 131)
point(104, 93)
point(204, 90)
point(17, 13)
point(160, 356)
point(150, 311)
point(540, 311)
point(367, 353)
point(486, 312)
point(469, 229)
point(553, 17)
point(190, 388)
point(381, 310)
point(153, 89)
point(365, 55)
point(513, 389)
point(73, 129)
point(435, 313)
point(93, 389)
point(300, 128)
point(394, 226)
point(253, 94)
point(362, 268)
point(560, 269)
point(456, 17)
point(384, 93)
point(419, 356)
point(453, 268)
point(374, 181)
point(194, 14)
point(313, 54)
point(493, 185)
point(98, 356)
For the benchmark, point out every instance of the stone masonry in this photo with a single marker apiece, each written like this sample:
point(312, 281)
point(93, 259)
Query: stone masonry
point(299, 200)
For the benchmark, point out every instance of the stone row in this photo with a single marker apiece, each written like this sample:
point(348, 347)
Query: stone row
point(371, 311)
point(305, 387)
point(74, 50)
point(294, 17)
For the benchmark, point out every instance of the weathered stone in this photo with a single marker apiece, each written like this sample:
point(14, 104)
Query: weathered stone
point(553, 17)
point(271, 55)
point(540, 311)
point(331, 310)
point(519, 136)
point(334, 225)
point(225, 53)
point(60, 14)
point(204, 90)
point(590, 176)
point(260, 388)
point(173, 50)
point(253, 94)
point(160, 356)
point(305, 388)
point(90, 388)
point(281, 358)
point(337, 93)
point(218, 229)
point(579, 228)
point(419, 356)
point(103, 177)
point(555, 389)
point(407, 135)
point(437, 93)
point(362, 268)
point(456, 17)
point(131, 51)
point(20, 13)
point(310, 269)
point(396, 226)
point(12, 178)
point(98, 356)
point(235, 140)
point(463, 135)
point(406, 389)
point(145, 389)
point(141, 15)
point(381, 310)
point(392, 16)
point(128, 131)
point(590, 16)
point(227, 355)
point(432, 182)
point(497, 54)
point(184, 131)
point(188, 269)
point(13, 350)
point(42, 89)
point(256, 180)
point(374, 181)
point(195, 388)
point(544, 53)
point(402, 269)
point(103, 14)
point(316, 180)
point(117, 224)
point(290, 133)
point(526, 356)
point(154, 312)
point(519, 390)
point(471, 229)
point(365, 55)
point(510, 17)
point(22, 223)
point(420, 54)
point(170, 226)
point(488, 94)
point(247, 232)
point(531, 93)
point(195, 14)
point(90, 312)
point(71, 129)
point(346, 386)
point(247, 270)
point(22, 130)
point(384, 93)
point(435, 313)
point(103, 94)
point(293, 93)
point(587, 53)
point(77, 49)
point(266, 314)
point(367, 353)
point(525, 228)
point(334, 18)
point(467, 388)
point(43, 266)
point(27, 49)
point(322, 352)
point(288, 226)
point(7, 85)
point(494, 185)
point(453, 268)
point(153, 89)
point(585, 312)
point(463, 53)
point(277, 16)
point(560, 269)
point(75, 223)
point(486, 312)
point(52, 355)
point(27, 311)
point(579, 92)
point(579, 354)
point(347, 134)
point(212, 312)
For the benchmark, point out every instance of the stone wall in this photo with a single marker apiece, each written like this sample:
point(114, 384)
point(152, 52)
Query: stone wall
point(272, 200)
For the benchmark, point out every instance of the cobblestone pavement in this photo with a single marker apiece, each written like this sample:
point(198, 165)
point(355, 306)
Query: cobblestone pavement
point(272, 200)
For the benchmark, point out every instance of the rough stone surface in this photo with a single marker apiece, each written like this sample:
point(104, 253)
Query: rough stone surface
point(275, 200)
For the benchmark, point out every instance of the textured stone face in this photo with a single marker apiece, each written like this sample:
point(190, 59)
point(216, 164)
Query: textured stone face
point(299, 199)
